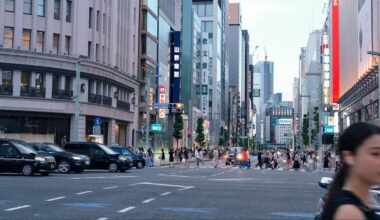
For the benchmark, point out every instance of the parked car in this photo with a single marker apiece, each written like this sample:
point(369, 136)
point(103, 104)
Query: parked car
point(101, 156)
point(138, 161)
point(17, 156)
point(66, 161)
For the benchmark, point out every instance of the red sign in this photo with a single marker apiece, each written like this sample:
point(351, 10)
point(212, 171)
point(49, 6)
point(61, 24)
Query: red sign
point(162, 90)
point(335, 50)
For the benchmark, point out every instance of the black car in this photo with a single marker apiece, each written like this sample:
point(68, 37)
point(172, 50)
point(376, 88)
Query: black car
point(102, 157)
point(138, 161)
point(66, 161)
point(17, 156)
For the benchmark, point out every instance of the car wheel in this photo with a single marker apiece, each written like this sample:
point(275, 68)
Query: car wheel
point(139, 165)
point(27, 170)
point(45, 173)
point(64, 166)
point(112, 167)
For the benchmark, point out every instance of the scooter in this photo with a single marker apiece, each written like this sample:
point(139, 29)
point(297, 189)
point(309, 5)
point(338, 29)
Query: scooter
point(325, 182)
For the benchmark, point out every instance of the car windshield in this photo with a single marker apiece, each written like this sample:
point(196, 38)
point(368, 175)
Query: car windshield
point(106, 149)
point(23, 147)
point(54, 148)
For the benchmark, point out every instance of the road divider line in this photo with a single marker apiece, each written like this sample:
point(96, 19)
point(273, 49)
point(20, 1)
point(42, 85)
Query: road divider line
point(165, 194)
point(16, 208)
point(85, 192)
point(102, 218)
point(186, 188)
point(126, 209)
point(148, 200)
point(54, 199)
point(111, 187)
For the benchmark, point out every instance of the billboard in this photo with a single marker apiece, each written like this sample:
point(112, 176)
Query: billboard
point(335, 50)
point(364, 36)
point(175, 66)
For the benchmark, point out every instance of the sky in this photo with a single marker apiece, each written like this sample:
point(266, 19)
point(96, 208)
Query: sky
point(281, 27)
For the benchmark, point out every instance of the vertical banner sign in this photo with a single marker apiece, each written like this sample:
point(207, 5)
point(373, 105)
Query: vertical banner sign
point(162, 100)
point(175, 63)
point(326, 68)
point(335, 49)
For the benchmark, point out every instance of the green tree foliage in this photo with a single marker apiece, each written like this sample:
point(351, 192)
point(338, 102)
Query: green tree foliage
point(305, 129)
point(200, 139)
point(178, 127)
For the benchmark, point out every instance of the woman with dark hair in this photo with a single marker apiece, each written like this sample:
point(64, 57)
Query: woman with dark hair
point(348, 197)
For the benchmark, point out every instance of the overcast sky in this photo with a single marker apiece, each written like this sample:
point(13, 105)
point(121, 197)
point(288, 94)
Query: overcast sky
point(282, 27)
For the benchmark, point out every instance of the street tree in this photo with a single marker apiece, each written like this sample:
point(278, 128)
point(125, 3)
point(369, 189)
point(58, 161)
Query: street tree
point(200, 139)
point(315, 130)
point(178, 127)
point(305, 129)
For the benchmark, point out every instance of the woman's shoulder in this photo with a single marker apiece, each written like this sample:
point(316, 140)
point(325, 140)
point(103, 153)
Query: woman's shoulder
point(348, 212)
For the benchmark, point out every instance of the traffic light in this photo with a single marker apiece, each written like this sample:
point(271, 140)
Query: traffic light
point(176, 107)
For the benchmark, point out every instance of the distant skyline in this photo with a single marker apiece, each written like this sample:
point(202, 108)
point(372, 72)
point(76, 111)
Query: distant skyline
point(282, 27)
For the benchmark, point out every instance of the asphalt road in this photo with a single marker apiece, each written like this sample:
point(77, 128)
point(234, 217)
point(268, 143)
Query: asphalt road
point(163, 193)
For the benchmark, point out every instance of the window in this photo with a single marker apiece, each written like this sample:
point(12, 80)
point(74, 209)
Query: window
point(55, 43)
point(150, 24)
point(68, 10)
point(40, 41)
point(152, 5)
point(39, 81)
point(41, 8)
point(25, 79)
point(97, 20)
point(67, 45)
point(26, 39)
point(6, 78)
point(89, 49)
point(90, 17)
point(207, 26)
point(8, 37)
point(55, 79)
point(97, 52)
point(104, 24)
point(208, 9)
point(28, 7)
point(68, 83)
point(103, 54)
point(10, 5)
point(57, 9)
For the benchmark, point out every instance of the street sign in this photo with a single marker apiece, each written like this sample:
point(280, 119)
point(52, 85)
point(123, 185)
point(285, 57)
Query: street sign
point(161, 113)
point(97, 121)
point(329, 129)
point(156, 127)
point(161, 105)
point(96, 130)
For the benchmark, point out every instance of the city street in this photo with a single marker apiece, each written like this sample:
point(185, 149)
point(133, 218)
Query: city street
point(163, 193)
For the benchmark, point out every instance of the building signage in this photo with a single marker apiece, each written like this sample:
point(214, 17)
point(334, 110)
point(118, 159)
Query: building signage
point(326, 68)
point(204, 89)
point(156, 127)
point(335, 50)
point(97, 121)
point(161, 111)
point(329, 129)
point(175, 70)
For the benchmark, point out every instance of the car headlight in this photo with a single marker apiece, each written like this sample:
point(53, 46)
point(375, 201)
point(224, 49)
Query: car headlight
point(129, 159)
point(40, 159)
point(76, 158)
point(122, 158)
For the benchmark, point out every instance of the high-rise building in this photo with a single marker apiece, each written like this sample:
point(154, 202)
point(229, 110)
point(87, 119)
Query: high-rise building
point(277, 99)
point(213, 21)
point(39, 50)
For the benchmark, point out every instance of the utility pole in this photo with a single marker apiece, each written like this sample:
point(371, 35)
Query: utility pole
point(77, 96)
point(147, 110)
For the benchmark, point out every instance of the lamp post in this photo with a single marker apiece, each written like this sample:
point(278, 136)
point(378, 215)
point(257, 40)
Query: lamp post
point(77, 96)
point(377, 53)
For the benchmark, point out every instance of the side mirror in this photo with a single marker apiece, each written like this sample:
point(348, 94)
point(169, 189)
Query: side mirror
point(325, 182)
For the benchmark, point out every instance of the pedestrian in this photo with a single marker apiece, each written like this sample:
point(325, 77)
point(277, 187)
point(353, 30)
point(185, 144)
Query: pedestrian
point(186, 156)
point(259, 160)
point(197, 156)
point(296, 161)
point(315, 160)
point(288, 160)
point(162, 157)
point(216, 156)
point(348, 197)
point(171, 158)
point(326, 161)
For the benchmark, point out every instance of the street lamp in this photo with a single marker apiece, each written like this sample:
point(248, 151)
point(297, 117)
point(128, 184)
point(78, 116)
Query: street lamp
point(377, 53)
point(77, 95)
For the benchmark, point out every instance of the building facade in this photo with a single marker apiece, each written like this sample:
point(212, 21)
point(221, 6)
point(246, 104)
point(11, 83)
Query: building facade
point(40, 45)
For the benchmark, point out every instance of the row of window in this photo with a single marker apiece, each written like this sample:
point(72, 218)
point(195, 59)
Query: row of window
point(28, 8)
point(40, 41)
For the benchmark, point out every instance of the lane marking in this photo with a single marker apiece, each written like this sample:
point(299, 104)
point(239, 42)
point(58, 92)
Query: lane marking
point(85, 192)
point(172, 175)
point(16, 208)
point(111, 187)
point(186, 188)
point(235, 179)
point(126, 209)
point(148, 200)
point(165, 194)
point(101, 177)
point(159, 184)
point(102, 218)
point(53, 199)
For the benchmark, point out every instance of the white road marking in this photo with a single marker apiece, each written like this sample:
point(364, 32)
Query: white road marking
point(124, 176)
point(186, 188)
point(101, 177)
point(102, 218)
point(173, 175)
point(111, 187)
point(53, 199)
point(126, 209)
point(85, 192)
point(159, 184)
point(234, 179)
point(19, 207)
point(165, 194)
point(148, 200)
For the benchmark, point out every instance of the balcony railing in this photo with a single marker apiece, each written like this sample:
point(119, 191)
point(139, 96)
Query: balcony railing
point(123, 105)
point(63, 94)
point(107, 100)
point(94, 98)
point(6, 90)
point(32, 91)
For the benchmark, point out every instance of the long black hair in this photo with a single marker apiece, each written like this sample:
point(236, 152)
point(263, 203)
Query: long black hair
point(350, 140)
